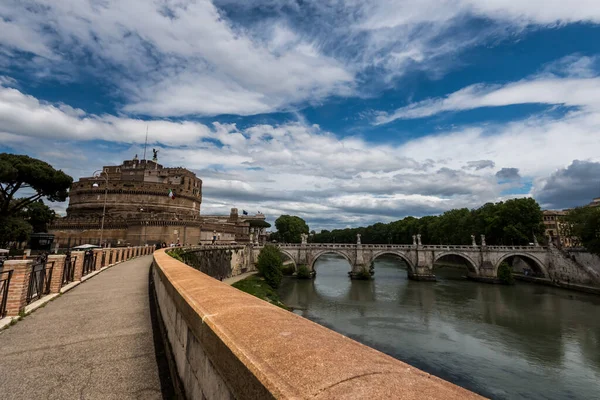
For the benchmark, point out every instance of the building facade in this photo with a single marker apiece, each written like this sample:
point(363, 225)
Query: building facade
point(558, 229)
point(144, 203)
point(595, 202)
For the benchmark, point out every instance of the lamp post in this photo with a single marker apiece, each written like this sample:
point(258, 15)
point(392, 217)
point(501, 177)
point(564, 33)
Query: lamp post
point(98, 174)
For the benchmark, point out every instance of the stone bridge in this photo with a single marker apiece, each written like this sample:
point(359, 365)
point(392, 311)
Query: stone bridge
point(482, 261)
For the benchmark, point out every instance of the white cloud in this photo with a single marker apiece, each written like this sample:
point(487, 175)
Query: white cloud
point(577, 88)
point(24, 115)
point(177, 58)
point(301, 169)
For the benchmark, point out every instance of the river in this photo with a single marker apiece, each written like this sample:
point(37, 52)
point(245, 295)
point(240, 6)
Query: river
point(504, 342)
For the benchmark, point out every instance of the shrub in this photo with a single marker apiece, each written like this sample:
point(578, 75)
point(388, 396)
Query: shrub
point(505, 274)
point(303, 272)
point(288, 269)
point(176, 254)
point(269, 265)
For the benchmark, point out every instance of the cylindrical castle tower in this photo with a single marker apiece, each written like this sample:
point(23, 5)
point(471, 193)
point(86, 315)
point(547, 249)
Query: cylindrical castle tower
point(137, 190)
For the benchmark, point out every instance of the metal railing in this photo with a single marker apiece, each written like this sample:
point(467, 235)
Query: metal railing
point(69, 269)
point(4, 286)
point(39, 279)
point(89, 263)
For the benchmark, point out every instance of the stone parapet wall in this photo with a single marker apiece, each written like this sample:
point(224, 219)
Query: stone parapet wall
point(229, 344)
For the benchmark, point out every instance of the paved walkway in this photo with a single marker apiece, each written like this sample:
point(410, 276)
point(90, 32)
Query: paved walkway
point(95, 342)
point(237, 278)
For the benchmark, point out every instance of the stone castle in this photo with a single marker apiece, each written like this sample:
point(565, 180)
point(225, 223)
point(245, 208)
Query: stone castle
point(146, 203)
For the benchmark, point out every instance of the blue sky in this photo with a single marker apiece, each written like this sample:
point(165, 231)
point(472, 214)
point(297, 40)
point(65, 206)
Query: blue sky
point(342, 112)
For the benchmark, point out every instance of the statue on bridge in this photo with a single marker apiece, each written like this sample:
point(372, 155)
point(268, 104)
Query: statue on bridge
point(483, 240)
point(358, 238)
point(473, 242)
point(419, 239)
point(303, 237)
point(414, 240)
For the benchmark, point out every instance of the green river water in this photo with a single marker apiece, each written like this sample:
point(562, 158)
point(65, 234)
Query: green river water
point(505, 342)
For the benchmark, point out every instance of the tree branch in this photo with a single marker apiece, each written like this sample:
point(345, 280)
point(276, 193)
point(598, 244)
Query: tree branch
point(14, 188)
point(25, 202)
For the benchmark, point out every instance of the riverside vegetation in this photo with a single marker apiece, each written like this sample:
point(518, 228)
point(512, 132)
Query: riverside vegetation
point(270, 272)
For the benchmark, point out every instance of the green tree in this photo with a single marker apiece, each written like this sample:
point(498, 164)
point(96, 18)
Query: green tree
point(520, 220)
point(511, 222)
point(303, 272)
point(38, 215)
point(14, 229)
point(584, 223)
point(20, 172)
point(270, 264)
point(505, 274)
point(289, 228)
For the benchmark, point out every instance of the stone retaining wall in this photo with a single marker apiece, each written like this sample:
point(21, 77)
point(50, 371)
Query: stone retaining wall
point(569, 269)
point(586, 259)
point(228, 344)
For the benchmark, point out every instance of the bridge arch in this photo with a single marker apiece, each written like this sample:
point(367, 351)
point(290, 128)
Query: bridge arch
point(330, 251)
point(537, 265)
point(471, 265)
point(400, 255)
point(289, 256)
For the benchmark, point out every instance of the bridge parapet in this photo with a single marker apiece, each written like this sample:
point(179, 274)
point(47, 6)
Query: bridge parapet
point(482, 261)
point(229, 344)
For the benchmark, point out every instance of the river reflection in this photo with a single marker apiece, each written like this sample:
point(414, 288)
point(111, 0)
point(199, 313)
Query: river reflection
point(524, 341)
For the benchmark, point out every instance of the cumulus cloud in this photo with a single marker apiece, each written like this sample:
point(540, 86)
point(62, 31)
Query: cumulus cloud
point(508, 174)
point(299, 168)
point(573, 186)
point(174, 58)
point(216, 57)
point(480, 164)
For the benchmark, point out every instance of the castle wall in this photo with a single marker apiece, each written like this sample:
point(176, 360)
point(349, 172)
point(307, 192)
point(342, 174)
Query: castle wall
point(139, 210)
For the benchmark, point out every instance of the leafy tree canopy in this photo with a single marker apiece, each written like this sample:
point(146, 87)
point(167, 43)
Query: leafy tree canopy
point(269, 265)
point(289, 228)
point(38, 215)
point(513, 222)
point(13, 229)
point(585, 224)
point(18, 172)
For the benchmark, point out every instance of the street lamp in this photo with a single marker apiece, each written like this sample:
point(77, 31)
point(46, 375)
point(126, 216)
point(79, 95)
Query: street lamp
point(98, 174)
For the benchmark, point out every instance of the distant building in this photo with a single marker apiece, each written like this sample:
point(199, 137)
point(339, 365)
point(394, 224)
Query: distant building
point(146, 203)
point(557, 228)
point(595, 202)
